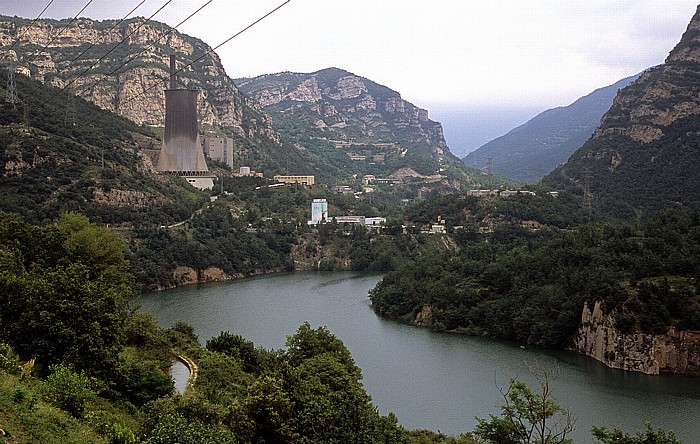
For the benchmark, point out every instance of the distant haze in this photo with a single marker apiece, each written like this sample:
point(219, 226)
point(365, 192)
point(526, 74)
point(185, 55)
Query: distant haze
point(467, 128)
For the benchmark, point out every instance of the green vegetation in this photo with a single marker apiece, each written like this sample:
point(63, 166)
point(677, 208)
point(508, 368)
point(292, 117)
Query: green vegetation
point(649, 436)
point(528, 416)
point(52, 164)
point(531, 286)
point(100, 378)
point(639, 166)
point(77, 365)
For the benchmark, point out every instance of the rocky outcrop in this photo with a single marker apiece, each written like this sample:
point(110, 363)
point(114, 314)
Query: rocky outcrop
point(345, 106)
point(127, 198)
point(188, 275)
point(536, 147)
point(673, 352)
point(135, 90)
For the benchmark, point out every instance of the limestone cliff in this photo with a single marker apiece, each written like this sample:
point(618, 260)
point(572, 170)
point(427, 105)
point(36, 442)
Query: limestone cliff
point(673, 352)
point(644, 155)
point(135, 90)
point(340, 105)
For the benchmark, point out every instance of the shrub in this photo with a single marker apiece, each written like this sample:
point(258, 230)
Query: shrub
point(67, 390)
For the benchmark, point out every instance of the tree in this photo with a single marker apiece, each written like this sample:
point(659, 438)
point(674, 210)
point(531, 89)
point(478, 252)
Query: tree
point(174, 428)
point(64, 290)
point(270, 411)
point(237, 347)
point(68, 390)
point(528, 417)
point(649, 436)
point(307, 343)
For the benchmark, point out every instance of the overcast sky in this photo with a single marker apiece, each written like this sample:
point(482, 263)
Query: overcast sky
point(438, 53)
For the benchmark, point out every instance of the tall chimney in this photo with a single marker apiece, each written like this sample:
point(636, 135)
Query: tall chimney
point(172, 72)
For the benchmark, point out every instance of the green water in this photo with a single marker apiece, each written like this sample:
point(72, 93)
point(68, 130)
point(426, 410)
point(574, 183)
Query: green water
point(433, 381)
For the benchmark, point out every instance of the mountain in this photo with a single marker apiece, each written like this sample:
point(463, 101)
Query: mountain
point(124, 68)
point(357, 124)
point(99, 166)
point(645, 155)
point(536, 147)
point(338, 104)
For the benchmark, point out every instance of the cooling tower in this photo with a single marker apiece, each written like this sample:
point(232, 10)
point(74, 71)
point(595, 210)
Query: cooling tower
point(182, 153)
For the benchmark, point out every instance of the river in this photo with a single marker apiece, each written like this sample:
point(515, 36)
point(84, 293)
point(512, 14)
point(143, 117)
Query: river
point(429, 380)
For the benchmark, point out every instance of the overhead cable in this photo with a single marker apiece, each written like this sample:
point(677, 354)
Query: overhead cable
point(75, 79)
point(138, 53)
point(19, 37)
point(107, 33)
point(207, 52)
point(61, 31)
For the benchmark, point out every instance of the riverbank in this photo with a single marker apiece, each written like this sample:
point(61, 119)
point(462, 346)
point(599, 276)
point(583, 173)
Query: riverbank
point(453, 374)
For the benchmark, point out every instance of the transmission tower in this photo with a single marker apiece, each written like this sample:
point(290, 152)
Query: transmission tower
point(489, 172)
point(70, 114)
point(11, 85)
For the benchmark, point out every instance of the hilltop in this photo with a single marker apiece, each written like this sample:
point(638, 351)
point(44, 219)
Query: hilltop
point(644, 155)
point(358, 125)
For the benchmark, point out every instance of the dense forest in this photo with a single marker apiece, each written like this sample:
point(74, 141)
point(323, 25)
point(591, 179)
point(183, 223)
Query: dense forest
point(531, 287)
point(71, 340)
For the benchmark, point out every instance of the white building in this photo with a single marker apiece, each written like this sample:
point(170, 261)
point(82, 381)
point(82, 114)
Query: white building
point(374, 221)
point(319, 211)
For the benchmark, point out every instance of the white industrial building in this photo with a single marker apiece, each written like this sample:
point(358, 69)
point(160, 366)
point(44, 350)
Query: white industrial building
point(319, 212)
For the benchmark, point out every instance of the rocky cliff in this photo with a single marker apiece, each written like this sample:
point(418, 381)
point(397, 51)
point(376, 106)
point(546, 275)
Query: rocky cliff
point(340, 105)
point(673, 352)
point(644, 155)
point(134, 90)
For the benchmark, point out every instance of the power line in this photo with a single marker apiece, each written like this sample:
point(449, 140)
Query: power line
point(27, 28)
point(60, 32)
point(75, 79)
point(207, 52)
point(140, 52)
point(108, 31)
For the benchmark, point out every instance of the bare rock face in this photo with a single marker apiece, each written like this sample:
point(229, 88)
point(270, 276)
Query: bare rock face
point(135, 90)
point(349, 106)
point(673, 352)
point(661, 96)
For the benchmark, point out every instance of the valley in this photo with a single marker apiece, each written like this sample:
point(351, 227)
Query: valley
point(578, 230)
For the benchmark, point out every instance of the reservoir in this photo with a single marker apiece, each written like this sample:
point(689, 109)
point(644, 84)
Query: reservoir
point(429, 380)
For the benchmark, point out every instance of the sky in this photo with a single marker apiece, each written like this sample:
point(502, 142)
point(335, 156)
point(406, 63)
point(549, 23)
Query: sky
point(443, 55)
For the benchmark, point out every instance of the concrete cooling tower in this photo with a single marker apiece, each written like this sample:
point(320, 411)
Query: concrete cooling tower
point(182, 153)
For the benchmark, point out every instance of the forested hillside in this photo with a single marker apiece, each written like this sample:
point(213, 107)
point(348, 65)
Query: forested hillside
point(78, 365)
point(644, 156)
point(87, 160)
point(535, 148)
point(359, 126)
point(531, 287)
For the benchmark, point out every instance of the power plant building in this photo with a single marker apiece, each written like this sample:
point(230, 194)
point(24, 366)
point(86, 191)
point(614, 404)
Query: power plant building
point(319, 212)
point(182, 152)
point(219, 149)
point(290, 180)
